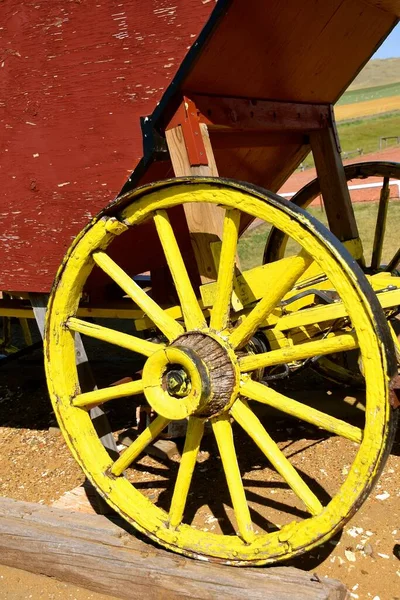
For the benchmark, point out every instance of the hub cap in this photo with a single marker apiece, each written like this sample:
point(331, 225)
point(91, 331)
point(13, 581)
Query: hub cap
point(196, 375)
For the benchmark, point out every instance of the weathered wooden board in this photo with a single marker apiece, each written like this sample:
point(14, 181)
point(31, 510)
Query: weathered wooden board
point(293, 51)
point(336, 195)
point(307, 51)
point(93, 552)
point(76, 77)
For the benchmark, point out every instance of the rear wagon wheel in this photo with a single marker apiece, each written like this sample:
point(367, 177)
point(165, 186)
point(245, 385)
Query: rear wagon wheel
point(203, 372)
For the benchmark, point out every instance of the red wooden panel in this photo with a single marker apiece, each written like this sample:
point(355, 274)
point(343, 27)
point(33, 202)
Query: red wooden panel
point(78, 75)
point(75, 78)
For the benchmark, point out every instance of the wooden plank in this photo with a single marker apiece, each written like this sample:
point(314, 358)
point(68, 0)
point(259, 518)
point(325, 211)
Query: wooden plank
point(261, 115)
point(64, 166)
point(227, 139)
point(205, 221)
point(297, 52)
point(76, 79)
point(333, 184)
point(93, 552)
point(390, 6)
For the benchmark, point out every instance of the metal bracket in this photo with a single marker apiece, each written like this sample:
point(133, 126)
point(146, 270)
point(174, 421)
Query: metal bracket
point(187, 117)
point(154, 145)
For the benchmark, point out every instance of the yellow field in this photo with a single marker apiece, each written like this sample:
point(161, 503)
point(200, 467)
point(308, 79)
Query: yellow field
point(367, 108)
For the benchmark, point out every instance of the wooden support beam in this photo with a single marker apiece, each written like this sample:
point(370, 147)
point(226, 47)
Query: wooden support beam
point(93, 552)
point(333, 184)
point(261, 115)
point(227, 139)
point(205, 221)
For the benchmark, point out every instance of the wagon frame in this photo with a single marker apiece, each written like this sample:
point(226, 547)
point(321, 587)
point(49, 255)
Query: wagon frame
point(225, 327)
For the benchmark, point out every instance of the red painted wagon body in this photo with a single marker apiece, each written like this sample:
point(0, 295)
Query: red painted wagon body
point(77, 77)
point(100, 97)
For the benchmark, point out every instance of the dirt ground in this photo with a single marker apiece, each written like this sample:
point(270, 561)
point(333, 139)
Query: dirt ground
point(35, 466)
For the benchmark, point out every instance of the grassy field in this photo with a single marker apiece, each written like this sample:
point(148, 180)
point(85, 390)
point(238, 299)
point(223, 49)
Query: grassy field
point(252, 244)
point(365, 133)
point(375, 90)
point(372, 93)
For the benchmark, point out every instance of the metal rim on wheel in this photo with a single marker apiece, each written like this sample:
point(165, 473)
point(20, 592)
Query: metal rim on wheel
point(196, 346)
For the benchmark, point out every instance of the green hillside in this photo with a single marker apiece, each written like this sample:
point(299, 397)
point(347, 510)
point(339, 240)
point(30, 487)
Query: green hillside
point(378, 72)
point(371, 93)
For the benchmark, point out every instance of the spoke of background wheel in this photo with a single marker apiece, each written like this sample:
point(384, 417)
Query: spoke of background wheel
point(195, 430)
point(141, 442)
point(394, 262)
point(266, 395)
point(380, 225)
point(192, 313)
point(221, 308)
point(252, 425)
point(224, 436)
point(124, 340)
point(273, 295)
point(96, 397)
point(335, 343)
point(170, 328)
point(396, 342)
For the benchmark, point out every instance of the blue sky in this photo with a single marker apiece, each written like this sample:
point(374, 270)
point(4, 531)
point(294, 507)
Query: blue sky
point(391, 46)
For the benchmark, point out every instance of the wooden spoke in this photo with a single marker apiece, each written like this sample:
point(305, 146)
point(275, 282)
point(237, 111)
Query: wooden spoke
point(394, 262)
point(335, 343)
point(192, 313)
point(223, 434)
point(194, 434)
point(380, 225)
point(252, 425)
point(220, 310)
point(124, 340)
point(266, 395)
point(396, 342)
point(96, 397)
point(144, 439)
point(274, 294)
point(170, 328)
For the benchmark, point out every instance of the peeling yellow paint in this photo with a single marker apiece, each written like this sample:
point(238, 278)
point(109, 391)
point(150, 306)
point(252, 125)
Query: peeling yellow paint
point(106, 475)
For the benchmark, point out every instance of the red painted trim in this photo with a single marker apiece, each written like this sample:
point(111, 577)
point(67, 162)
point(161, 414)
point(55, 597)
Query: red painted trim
point(187, 117)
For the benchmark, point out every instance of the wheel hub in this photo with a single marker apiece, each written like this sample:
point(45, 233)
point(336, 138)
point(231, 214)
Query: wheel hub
point(196, 375)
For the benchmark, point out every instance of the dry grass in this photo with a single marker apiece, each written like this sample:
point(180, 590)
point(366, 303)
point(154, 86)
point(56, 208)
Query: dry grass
point(368, 108)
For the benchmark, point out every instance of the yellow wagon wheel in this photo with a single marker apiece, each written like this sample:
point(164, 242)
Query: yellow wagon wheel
point(344, 369)
point(214, 381)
